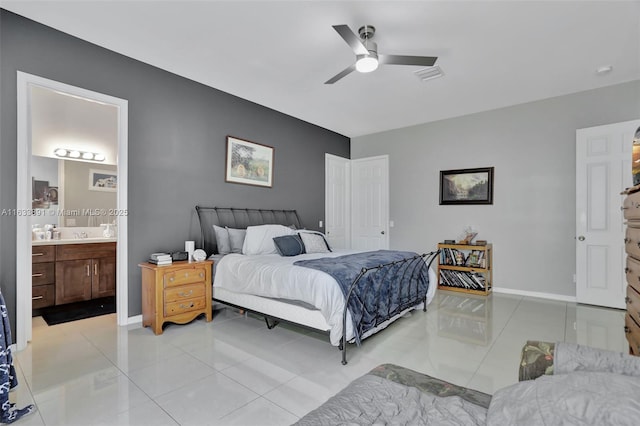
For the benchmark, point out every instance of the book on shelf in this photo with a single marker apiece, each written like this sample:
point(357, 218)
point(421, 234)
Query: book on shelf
point(476, 259)
point(461, 279)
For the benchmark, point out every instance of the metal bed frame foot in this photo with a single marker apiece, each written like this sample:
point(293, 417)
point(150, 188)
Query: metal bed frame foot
point(272, 325)
point(343, 348)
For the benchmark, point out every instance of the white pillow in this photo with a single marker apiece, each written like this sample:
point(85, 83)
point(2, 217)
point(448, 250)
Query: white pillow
point(314, 242)
point(236, 239)
point(222, 239)
point(259, 239)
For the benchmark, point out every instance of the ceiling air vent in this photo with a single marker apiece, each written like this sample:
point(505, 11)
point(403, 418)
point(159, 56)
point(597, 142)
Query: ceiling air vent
point(429, 73)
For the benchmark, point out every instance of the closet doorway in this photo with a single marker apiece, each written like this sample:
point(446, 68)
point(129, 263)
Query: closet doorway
point(357, 202)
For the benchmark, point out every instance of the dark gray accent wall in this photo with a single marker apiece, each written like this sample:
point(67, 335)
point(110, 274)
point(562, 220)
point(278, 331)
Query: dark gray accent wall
point(177, 137)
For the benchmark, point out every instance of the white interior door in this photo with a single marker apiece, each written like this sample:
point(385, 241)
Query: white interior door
point(337, 201)
point(370, 203)
point(603, 170)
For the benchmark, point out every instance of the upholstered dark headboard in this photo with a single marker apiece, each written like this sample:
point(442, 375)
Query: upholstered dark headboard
point(239, 218)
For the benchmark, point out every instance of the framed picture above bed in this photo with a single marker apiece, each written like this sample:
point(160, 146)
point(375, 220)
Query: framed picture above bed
point(249, 163)
point(466, 186)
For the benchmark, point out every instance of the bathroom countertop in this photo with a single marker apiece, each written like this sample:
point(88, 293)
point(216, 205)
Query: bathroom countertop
point(90, 240)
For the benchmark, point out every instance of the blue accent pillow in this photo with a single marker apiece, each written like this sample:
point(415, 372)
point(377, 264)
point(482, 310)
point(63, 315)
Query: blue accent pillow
point(289, 245)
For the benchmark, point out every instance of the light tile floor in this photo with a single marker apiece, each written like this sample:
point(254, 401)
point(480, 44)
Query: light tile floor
point(234, 371)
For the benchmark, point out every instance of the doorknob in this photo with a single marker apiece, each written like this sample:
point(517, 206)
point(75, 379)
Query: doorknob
point(581, 238)
point(382, 232)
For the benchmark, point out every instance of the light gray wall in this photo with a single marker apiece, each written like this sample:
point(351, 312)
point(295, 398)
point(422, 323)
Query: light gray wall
point(532, 147)
point(177, 131)
point(78, 196)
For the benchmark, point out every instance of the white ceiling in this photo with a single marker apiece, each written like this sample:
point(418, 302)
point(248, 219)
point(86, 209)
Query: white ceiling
point(279, 53)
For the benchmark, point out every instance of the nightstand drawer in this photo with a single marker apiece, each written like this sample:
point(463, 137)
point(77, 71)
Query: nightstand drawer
point(632, 330)
point(184, 276)
point(43, 273)
point(633, 273)
point(188, 305)
point(632, 242)
point(631, 206)
point(190, 291)
point(633, 304)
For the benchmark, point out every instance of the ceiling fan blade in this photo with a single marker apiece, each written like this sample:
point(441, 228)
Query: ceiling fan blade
point(425, 61)
point(351, 39)
point(341, 74)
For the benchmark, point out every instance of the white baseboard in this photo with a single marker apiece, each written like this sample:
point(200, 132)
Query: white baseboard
point(134, 320)
point(552, 296)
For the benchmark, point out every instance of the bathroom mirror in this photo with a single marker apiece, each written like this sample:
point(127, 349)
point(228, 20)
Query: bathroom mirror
point(73, 163)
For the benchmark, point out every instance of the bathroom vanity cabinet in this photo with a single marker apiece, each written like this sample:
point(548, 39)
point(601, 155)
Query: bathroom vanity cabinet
point(72, 273)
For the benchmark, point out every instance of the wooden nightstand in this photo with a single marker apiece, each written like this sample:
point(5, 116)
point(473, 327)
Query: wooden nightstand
point(177, 293)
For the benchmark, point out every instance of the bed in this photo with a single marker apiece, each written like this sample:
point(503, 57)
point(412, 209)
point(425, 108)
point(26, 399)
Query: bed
point(279, 288)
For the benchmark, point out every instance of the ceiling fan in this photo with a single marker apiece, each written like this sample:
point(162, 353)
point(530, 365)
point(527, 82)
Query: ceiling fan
point(367, 56)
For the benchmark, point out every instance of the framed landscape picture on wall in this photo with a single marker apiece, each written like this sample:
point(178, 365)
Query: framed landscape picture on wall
point(249, 163)
point(466, 186)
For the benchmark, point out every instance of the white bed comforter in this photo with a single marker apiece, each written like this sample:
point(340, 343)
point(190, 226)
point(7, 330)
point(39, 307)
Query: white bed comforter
point(276, 276)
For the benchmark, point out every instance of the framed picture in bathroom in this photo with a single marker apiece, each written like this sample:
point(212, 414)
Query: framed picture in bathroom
point(103, 180)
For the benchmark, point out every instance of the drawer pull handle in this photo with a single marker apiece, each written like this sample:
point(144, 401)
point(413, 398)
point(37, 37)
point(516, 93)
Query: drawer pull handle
point(37, 297)
point(37, 275)
point(171, 279)
point(95, 269)
point(623, 208)
point(638, 244)
point(627, 300)
point(201, 275)
point(187, 307)
point(37, 254)
point(626, 240)
point(88, 270)
point(627, 270)
point(627, 330)
point(185, 294)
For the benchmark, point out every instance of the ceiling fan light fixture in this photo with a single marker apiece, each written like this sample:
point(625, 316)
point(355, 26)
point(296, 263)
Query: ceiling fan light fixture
point(367, 63)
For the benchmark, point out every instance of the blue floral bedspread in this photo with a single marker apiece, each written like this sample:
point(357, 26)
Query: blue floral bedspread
point(380, 294)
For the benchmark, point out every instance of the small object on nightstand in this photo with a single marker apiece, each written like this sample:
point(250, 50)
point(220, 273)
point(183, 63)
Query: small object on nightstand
point(481, 242)
point(199, 255)
point(179, 255)
point(160, 259)
point(449, 241)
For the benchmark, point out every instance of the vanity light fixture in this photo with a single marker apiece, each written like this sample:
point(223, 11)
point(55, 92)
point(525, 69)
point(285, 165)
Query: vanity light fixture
point(76, 154)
